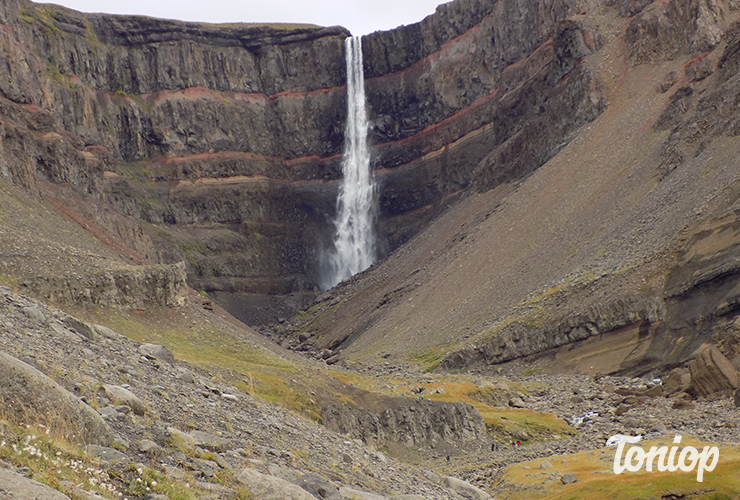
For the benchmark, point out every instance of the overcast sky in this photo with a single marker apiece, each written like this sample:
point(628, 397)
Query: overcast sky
point(359, 16)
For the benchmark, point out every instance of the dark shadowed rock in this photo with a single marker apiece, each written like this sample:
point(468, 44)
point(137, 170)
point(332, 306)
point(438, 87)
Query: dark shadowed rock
point(27, 395)
point(80, 327)
point(319, 486)
point(679, 380)
point(569, 478)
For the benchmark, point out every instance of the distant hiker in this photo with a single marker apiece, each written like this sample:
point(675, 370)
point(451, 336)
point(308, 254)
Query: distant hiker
point(494, 447)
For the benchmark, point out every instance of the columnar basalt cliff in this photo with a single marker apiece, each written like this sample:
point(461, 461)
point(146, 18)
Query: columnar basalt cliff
point(228, 137)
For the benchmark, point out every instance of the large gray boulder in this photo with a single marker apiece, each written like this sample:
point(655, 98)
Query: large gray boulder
point(267, 487)
point(122, 396)
point(319, 486)
point(156, 351)
point(16, 487)
point(29, 396)
point(465, 489)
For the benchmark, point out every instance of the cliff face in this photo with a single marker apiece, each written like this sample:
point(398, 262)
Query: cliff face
point(616, 255)
point(228, 138)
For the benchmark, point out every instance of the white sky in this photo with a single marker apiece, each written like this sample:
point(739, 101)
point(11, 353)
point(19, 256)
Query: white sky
point(358, 16)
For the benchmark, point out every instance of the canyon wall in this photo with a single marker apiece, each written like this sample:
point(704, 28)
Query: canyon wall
point(220, 145)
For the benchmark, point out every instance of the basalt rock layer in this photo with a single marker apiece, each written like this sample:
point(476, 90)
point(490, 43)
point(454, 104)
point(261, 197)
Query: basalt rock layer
point(221, 144)
point(618, 254)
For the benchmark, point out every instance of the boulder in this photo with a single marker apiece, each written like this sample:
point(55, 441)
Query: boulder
point(106, 332)
point(319, 486)
point(16, 487)
point(569, 478)
point(110, 455)
point(35, 314)
point(267, 487)
point(679, 380)
point(149, 447)
point(156, 351)
point(711, 373)
point(29, 396)
point(216, 490)
point(283, 473)
point(121, 395)
point(465, 489)
point(201, 439)
point(80, 327)
point(352, 494)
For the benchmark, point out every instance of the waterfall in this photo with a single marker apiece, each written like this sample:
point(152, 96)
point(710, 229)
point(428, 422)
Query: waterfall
point(354, 239)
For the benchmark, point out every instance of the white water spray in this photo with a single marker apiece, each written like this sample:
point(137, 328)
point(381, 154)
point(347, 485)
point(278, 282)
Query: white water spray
point(354, 239)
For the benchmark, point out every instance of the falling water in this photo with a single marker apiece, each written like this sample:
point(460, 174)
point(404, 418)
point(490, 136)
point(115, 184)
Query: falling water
point(354, 239)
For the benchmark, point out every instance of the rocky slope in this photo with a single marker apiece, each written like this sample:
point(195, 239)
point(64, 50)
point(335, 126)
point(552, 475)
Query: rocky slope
point(627, 232)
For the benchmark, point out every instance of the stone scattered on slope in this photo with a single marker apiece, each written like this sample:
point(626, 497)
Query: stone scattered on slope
point(711, 372)
point(201, 439)
point(150, 447)
point(34, 313)
point(29, 395)
point(352, 494)
point(106, 332)
point(319, 486)
point(80, 327)
point(16, 487)
point(122, 396)
point(267, 487)
point(156, 351)
point(569, 478)
point(465, 489)
point(110, 455)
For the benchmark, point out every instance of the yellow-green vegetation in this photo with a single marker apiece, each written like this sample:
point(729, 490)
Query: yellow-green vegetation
point(430, 359)
point(501, 422)
point(214, 346)
point(596, 478)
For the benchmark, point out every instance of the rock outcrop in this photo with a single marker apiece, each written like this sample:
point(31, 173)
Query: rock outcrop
point(711, 373)
point(137, 287)
point(519, 340)
point(409, 423)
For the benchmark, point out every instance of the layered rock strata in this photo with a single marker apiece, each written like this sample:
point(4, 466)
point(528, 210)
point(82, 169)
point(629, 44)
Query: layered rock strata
point(229, 137)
